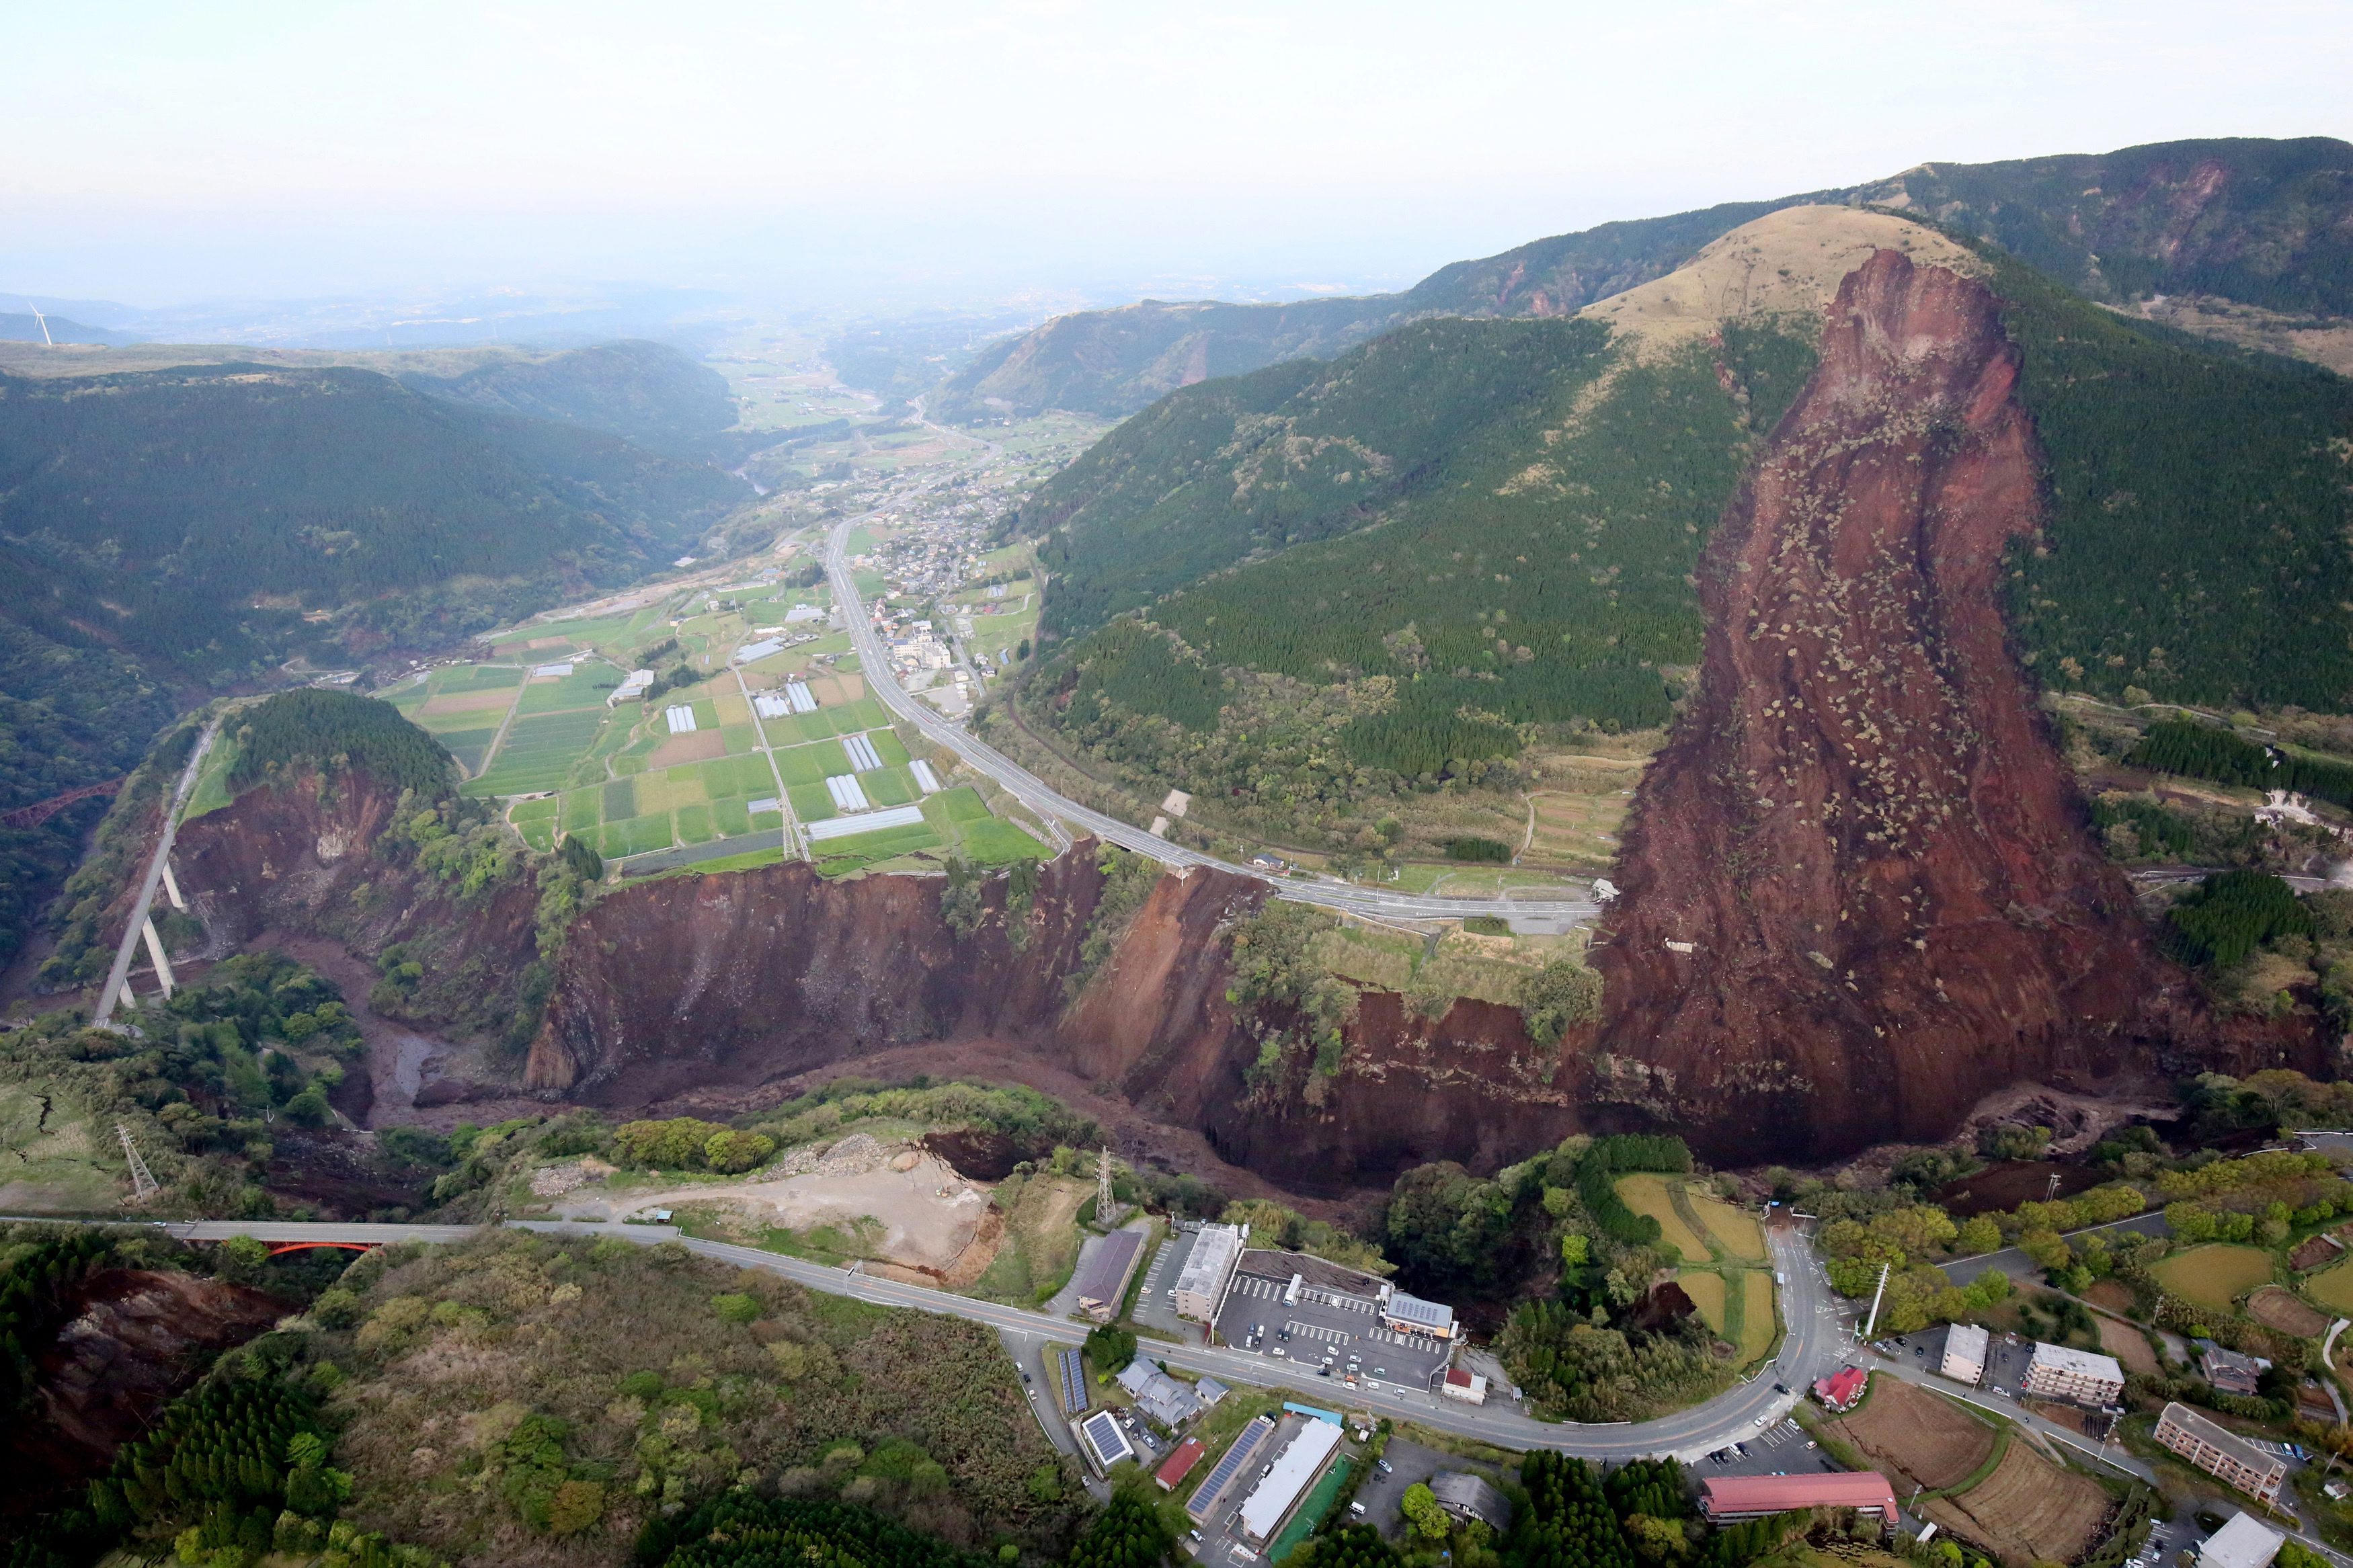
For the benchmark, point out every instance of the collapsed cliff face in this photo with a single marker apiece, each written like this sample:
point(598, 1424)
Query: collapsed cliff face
point(136, 1339)
point(1857, 889)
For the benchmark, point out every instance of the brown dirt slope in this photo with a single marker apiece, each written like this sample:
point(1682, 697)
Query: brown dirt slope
point(1922, 1440)
point(2028, 1511)
point(1860, 844)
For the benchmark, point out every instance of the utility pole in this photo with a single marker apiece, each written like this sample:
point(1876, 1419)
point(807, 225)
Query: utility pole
point(1875, 1295)
point(144, 1184)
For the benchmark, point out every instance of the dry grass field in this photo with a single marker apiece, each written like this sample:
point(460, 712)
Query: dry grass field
point(2028, 1511)
point(2127, 1344)
point(1647, 1193)
point(2215, 1275)
point(1922, 1438)
point(1735, 1228)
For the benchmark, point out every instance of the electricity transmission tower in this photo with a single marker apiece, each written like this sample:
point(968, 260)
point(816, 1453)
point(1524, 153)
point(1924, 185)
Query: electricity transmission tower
point(1102, 1187)
point(142, 1181)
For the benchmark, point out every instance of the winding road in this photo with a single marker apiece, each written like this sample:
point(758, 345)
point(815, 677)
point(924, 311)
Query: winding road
point(1811, 1348)
point(874, 661)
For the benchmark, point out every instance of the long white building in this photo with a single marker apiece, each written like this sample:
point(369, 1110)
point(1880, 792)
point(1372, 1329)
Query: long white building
point(1294, 1471)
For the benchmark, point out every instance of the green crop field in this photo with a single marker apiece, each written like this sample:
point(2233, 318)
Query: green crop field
point(996, 843)
point(539, 753)
point(963, 804)
point(812, 763)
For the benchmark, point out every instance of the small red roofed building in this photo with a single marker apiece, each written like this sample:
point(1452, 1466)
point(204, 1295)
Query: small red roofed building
point(1180, 1464)
point(1841, 1390)
point(1469, 1387)
point(1755, 1497)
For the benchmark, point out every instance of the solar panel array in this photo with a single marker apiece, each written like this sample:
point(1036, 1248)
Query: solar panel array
point(1207, 1497)
point(1074, 1381)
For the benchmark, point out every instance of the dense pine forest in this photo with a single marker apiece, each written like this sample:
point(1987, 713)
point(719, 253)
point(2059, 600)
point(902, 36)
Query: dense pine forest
point(2194, 548)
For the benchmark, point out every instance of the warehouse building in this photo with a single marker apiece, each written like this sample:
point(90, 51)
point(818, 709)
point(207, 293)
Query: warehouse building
point(1208, 1270)
point(2081, 1376)
point(1756, 1496)
point(2241, 1543)
point(1965, 1353)
point(1102, 1280)
point(1211, 1494)
point(2223, 1455)
point(1294, 1470)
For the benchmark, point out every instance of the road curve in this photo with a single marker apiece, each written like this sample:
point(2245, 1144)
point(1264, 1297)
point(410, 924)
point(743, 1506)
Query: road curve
point(874, 661)
point(1809, 1348)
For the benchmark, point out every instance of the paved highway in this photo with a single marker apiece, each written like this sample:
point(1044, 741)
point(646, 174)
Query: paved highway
point(874, 661)
point(1811, 1347)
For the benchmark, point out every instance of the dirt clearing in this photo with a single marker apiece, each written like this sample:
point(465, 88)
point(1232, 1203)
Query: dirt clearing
point(921, 1216)
point(697, 746)
point(2275, 1309)
point(1923, 1440)
point(2028, 1511)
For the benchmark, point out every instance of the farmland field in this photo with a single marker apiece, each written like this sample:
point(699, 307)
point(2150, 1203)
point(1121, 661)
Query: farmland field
point(2127, 1344)
point(1736, 1228)
point(2215, 1275)
point(1921, 1438)
point(1758, 1327)
point(1707, 1291)
point(2333, 1287)
point(2029, 1510)
point(2275, 1309)
point(1647, 1193)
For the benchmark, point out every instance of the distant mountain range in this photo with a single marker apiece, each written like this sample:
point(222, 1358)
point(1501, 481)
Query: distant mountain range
point(2264, 225)
point(28, 329)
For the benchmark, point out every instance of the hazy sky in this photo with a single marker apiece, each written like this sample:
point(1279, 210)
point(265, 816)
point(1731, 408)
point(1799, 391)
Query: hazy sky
point(164, 152)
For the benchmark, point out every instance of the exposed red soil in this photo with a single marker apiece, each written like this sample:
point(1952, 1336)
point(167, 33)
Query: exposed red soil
point(135, 1339)
point(1875, 871)
point(2006, 1185)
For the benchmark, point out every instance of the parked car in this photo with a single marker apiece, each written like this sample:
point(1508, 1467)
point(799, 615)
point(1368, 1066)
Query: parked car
point(1385, 1467)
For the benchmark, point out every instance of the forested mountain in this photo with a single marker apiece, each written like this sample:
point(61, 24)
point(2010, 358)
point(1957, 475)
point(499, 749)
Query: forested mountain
point(644, 392)
point(197, 526)
point(1393, 564)
point(2259, 222)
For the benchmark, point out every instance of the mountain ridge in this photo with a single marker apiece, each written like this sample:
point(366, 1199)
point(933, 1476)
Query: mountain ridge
point(2264, 223)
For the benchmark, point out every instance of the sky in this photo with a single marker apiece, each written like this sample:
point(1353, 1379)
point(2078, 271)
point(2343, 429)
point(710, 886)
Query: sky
point(916, 153)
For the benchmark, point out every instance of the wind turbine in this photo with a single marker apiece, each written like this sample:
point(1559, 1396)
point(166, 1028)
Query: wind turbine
point(46, 341)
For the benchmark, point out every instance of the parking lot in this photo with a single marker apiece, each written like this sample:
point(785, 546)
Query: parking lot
point(1780, 1450)
point(1408, 1463)
point(1155, 1303)
point(1327, 1329)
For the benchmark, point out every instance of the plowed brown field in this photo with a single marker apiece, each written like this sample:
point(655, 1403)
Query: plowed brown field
point(1922, 1439)
point(2028, 1511)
